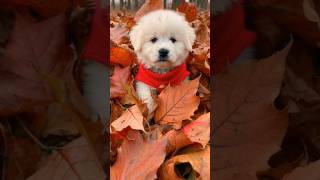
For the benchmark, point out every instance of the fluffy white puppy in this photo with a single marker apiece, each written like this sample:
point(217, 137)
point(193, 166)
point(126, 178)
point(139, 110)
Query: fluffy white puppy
point(162, 40)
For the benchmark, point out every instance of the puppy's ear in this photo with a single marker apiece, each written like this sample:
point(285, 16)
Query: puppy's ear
point(135, 37)
point(190, 37)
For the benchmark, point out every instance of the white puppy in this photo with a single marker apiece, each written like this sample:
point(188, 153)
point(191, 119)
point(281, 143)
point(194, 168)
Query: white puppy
point(162, 40)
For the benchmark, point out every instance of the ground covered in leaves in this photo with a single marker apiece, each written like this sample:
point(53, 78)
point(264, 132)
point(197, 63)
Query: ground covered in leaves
point(175, 143)
point(45, 126)
point(266, 111)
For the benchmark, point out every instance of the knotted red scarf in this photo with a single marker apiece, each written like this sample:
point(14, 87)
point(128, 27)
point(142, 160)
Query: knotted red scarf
point(156, 80)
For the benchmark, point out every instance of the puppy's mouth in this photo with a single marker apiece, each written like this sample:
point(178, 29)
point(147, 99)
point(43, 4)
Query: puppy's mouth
point(163, 63)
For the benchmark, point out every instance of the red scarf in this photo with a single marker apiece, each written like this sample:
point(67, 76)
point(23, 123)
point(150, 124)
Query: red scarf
point(159, 81)
point(231, 36)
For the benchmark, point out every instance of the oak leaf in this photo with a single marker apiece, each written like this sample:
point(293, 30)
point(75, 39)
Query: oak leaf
point(138, 158)
point(177, 103)
point(132, 117)
point(200, 162)
point(248, 129)
point(118, 81)
point(121, 56)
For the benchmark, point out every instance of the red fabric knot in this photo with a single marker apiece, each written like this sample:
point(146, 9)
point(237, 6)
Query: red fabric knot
point(156, 80)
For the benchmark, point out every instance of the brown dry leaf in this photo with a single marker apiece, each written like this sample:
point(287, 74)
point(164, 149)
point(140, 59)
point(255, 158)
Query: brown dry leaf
point(189, 10)
point(33, 47)
point(116, 111)
point(310, 172)
point(132, 117)
point(200, 162)
point(120, 77)
point(199, 130)
point(176, 140)
point(58, 122)
point(74, 161)
point(247, 127)
point(177, 103)
point(20, 162)
point(122, 56)
point(148, 6)
point(310, 11)
point(138, 158)
point(118, 33)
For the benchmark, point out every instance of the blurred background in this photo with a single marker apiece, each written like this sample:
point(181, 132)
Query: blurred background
point(133, 5)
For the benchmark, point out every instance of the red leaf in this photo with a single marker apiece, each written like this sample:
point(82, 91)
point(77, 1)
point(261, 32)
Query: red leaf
point(119, 79)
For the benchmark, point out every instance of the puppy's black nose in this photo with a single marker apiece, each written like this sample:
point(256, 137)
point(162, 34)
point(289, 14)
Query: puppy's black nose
point(163, 53)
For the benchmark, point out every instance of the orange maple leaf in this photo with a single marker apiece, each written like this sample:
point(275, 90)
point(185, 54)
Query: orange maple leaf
point(121, 56)
point(131, 117)
point(199, 130)
point(138, 158)
point(177, 103)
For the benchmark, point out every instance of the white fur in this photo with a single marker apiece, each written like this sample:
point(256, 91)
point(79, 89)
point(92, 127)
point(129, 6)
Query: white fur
point(163, 25)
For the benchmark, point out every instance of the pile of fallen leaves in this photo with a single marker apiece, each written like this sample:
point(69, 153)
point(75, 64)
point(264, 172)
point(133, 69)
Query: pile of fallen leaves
point(45, 129)
point(266, 111)
point(175, 143)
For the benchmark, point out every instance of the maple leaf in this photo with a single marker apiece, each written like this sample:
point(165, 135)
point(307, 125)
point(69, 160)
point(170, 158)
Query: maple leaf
point(176, 140)
point(199, 130)
point(132, 117)
point(34, 48)
point(248, 129)
point(119, 79)
point(200, 162)
point(177, 103)
point(121, 56)
point(138, 158)
point(75, 161)
point(20, 162)
point(148, 6)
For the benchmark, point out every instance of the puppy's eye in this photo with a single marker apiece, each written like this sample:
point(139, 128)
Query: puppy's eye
point(173, 40)
point(153, 40)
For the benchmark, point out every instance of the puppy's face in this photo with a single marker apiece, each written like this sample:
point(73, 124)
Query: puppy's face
point(162, 39)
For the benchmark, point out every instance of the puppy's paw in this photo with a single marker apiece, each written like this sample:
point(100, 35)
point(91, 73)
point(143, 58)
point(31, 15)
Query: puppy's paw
point(146, 94)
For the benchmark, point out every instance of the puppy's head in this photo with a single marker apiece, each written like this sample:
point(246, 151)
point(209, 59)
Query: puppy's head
point(162, 39)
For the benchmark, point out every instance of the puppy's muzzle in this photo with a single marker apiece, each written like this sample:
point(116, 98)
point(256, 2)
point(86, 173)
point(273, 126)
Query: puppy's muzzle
point(163, 54)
